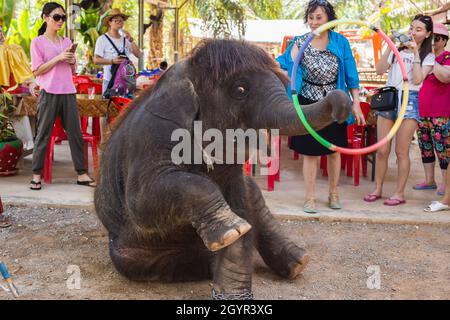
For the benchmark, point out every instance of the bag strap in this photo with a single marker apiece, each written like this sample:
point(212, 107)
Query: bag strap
point(112, 43)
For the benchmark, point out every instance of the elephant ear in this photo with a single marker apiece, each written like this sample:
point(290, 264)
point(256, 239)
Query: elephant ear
point(175, 99)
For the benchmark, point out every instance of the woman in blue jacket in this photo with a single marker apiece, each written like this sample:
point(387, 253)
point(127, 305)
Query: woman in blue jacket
point(328, 64)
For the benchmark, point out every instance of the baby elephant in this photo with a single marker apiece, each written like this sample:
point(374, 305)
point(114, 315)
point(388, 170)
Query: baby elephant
point(187, 221)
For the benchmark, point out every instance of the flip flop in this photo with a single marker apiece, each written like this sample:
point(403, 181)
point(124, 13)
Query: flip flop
point(91, 183)
point(393, 202)
point(424, 186)
point(371, 198)
point(441, 190)
point(38, 184)
point(436, 206)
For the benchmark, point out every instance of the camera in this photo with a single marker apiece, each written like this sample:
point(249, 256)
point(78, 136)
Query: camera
point(400, 37)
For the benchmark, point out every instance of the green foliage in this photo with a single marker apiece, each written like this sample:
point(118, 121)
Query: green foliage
point(265, 9)
point(6, 12)
point(220, 16)
point(89, 26)
point(23, 30)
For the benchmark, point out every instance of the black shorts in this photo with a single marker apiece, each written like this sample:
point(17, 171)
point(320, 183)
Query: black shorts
point(335, 133)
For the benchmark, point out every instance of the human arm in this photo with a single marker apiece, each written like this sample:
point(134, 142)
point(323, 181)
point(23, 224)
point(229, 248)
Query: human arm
point(442, 73)
point(420, 70)
point(133, 46)
point(356, 108)
point(383, 64)
point(98, 60)
point(40, 67)
point(352, 82)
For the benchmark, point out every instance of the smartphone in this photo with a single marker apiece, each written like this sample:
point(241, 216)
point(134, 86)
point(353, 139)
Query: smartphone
point(73, 48)
point(123, 56)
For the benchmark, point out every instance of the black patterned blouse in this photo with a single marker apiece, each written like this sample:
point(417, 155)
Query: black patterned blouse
point(320, 71)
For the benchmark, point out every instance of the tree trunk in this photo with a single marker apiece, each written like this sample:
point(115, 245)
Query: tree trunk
point(156, 41)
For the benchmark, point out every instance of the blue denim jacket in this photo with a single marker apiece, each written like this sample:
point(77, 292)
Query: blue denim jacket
point(347, 72)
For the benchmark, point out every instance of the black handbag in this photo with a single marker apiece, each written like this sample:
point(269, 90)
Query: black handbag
point(385, 99)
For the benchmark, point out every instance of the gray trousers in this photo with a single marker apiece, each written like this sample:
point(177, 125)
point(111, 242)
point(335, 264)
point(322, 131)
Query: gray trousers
point(51, 106)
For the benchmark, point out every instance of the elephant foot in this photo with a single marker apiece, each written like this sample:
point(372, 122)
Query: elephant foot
point(298, 265)
point(246, 295)
point(221, 230)
point(289, 262)
point(223, 236)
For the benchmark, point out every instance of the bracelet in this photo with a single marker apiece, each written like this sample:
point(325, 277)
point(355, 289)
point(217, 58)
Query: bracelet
point(417, 61)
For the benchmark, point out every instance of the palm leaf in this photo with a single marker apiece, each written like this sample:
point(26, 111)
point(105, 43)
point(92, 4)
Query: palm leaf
point(6, 12)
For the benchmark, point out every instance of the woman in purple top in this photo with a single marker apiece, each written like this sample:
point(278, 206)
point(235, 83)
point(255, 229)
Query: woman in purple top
point(53, 64)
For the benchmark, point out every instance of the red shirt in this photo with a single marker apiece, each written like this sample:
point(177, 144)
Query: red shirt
point(434, 96)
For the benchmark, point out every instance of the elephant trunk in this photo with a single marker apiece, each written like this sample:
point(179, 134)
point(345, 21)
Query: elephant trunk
point(283, 116)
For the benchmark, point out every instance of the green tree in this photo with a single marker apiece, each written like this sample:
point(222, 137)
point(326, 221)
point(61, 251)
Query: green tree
point(6, 12)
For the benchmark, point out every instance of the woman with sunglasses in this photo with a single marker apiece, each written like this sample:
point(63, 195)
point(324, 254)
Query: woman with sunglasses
point(434, 110)
point(417, 55)
point(53, 65)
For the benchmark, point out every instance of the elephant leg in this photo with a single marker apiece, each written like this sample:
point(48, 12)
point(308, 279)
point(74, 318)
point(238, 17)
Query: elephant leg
point(179, 198)
point(279, 253)
point(233, 271)
point(179, 258)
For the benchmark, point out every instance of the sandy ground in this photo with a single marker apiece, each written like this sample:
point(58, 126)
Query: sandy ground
point(46, 246)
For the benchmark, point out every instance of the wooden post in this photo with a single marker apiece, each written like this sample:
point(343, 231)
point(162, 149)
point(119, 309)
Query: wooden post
point(141, 33)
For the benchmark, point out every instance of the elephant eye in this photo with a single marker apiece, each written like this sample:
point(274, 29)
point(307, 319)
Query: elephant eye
point(239, 91)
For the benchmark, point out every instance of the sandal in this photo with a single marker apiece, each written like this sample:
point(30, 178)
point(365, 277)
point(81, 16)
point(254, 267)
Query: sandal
point(90, 183)
point(393, 202)
point(310, 206)
point(441, 190)
point(35, 185)
point(333, 201)
point(424, 186)
point(371, 198)
point(436, 206)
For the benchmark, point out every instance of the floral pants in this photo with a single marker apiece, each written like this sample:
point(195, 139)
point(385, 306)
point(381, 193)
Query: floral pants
point(433, 135)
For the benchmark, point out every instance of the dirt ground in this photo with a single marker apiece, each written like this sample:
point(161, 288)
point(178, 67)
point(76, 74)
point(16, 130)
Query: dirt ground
point(45, 244)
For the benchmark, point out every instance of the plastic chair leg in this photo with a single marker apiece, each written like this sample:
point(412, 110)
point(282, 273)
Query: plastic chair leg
point(270, 179)
point(86, 156)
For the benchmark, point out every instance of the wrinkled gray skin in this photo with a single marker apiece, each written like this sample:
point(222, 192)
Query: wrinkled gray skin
point(183, 222)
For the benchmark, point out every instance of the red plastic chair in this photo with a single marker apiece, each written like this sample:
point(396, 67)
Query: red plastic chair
point(121, 104)
point(83, 88)
point(357, 138)
point(78, 79)
point(272, 176)
point(49, 155)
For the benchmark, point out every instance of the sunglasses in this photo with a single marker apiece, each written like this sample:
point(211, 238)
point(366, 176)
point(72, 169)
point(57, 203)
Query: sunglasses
point(58, 17)
point(117, 20)
point(439, 38)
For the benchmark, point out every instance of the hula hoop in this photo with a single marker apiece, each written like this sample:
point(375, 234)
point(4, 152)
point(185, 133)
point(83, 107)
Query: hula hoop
point(301, 115)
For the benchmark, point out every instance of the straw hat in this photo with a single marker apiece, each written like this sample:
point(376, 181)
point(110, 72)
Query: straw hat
point(114, 13)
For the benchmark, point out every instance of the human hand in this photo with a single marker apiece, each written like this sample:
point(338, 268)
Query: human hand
point(66, 56)
point(118, 60)
point(412, 45)
point(357, 113)
point(127, 35)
